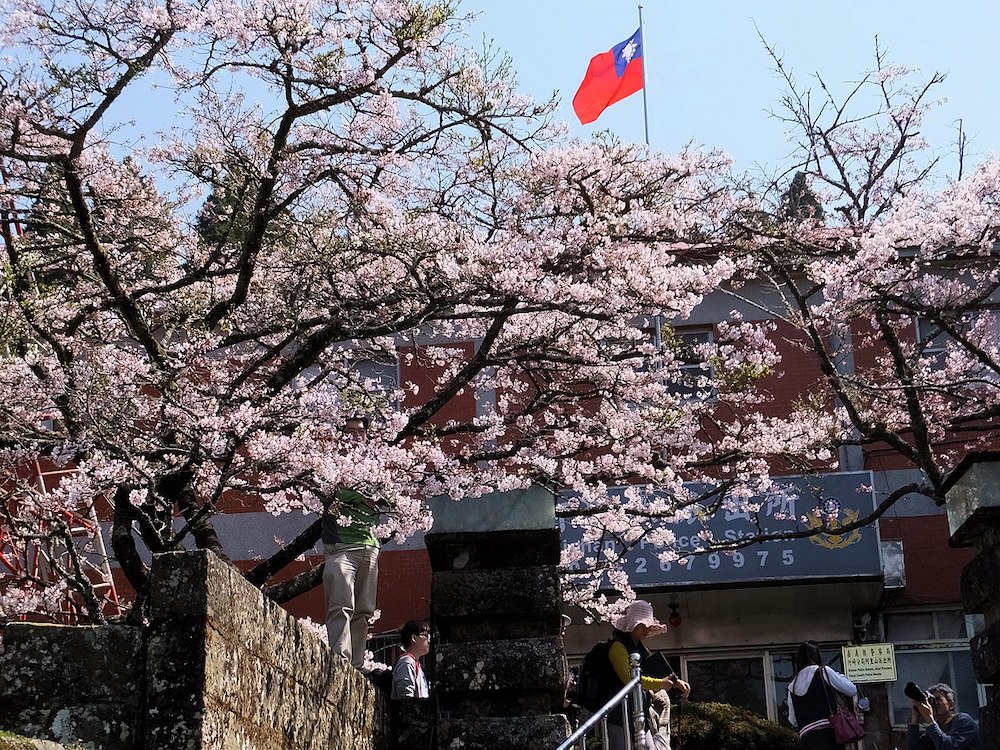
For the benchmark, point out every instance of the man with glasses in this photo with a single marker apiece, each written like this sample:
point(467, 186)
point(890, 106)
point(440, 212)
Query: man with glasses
point(935, 725)
point(408, 677)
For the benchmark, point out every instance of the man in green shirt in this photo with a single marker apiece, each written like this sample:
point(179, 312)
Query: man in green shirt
point(350, 575)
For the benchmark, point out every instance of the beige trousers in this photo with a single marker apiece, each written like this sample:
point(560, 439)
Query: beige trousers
point(350, 582)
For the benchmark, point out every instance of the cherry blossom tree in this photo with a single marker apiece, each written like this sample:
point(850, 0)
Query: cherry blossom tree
point(186, 320)
point(889, 277)
point(191, 319)
point(863, 264)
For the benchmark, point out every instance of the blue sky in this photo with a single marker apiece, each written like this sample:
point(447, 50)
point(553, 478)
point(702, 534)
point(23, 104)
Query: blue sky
point(710, 80)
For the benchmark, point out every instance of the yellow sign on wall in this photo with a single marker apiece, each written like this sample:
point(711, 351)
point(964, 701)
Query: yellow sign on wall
point(872, 662)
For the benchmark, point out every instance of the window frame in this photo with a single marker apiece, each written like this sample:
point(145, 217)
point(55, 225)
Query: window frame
point(951, 646)
point(930, 345)
point(693, 368)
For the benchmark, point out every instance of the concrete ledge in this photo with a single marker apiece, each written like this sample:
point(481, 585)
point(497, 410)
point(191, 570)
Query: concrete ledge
point(16, 742)
point(219, 667)
point(245, 673)
point(471, 629)
point(531, 508)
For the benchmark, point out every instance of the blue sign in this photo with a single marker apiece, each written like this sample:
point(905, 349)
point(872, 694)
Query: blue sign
point(842, 497)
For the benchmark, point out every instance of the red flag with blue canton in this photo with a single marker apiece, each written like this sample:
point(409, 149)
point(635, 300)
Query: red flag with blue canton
point(611, 76)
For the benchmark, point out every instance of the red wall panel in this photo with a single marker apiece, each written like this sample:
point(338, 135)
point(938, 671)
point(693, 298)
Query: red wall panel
point(933, 568)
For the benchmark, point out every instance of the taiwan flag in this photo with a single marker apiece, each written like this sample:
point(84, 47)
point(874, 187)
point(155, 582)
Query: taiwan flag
point(611, 76)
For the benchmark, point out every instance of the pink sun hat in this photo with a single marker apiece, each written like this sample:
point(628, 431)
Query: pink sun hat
point(639, 612)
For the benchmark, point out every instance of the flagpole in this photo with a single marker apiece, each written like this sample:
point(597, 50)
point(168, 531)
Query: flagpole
point(657, 319)
point(645, 111)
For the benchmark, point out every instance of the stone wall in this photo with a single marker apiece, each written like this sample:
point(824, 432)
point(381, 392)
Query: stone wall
point(73, 683)
point(218, 668)
point(16, 742)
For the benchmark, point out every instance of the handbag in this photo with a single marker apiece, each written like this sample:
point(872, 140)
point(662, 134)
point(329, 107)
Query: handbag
point(846, 726)
point(844, 721)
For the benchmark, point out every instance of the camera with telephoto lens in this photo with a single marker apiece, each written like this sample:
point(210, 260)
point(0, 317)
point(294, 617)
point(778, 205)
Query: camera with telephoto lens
point(916, 693)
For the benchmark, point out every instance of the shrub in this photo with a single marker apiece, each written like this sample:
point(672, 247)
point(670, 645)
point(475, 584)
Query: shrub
point(719, 726)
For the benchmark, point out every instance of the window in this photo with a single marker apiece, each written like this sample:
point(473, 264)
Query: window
point(381, 375)
point(737, 681)
point(755, 681)
point(694, 373)
point(372, 383)
point(931, 340)
point(979, 328)
point(371, 380)
point(932, 647)
point(693, 376)
point(893, 563)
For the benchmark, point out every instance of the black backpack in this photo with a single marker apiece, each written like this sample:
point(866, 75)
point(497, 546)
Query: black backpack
point(594, 686)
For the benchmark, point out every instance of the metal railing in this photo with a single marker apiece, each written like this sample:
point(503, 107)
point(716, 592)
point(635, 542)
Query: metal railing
point(599, 719)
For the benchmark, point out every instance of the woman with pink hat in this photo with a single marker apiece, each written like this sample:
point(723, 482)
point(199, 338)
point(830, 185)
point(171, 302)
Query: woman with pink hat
point(630, 630)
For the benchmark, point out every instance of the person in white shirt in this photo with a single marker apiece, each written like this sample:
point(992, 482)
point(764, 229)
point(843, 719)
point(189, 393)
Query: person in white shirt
point(408, 677)
point(811, 698)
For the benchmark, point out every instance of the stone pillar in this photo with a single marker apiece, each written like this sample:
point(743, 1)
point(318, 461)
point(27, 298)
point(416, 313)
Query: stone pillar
point(498, 659)
point(973, 500)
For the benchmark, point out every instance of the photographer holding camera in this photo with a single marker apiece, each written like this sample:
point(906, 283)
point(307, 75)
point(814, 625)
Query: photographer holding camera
point(934, 724)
